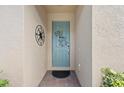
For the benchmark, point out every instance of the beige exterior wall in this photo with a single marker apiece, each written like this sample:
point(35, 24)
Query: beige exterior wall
point(61, 17)
point(35, 57)
point(84, 45)
point(11, 43)
point(24, 62)
point(107, 40)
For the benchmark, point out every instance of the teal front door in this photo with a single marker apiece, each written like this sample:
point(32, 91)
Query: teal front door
point(60, 43)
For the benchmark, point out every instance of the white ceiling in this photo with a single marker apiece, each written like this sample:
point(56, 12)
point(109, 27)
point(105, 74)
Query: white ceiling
point(60, 8)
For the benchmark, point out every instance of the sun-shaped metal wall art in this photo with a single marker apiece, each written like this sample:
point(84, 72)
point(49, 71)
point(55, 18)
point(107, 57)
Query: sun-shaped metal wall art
point(40, 35)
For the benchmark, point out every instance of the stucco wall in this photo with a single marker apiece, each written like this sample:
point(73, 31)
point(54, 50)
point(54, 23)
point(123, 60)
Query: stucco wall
point(35, 57)
point(11, 32)
point(84, 45)
point(107, 40)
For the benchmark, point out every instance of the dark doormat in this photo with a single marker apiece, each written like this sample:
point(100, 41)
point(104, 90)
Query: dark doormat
point(60, 74)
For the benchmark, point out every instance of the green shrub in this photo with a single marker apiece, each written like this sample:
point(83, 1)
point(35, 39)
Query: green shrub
point(4, 83)
point(111, 78)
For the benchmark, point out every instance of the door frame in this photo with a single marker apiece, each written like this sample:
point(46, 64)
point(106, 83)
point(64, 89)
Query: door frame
point(69, 45)
point(61, 17)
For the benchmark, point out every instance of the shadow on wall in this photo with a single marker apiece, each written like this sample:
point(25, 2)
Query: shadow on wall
point(84, 45)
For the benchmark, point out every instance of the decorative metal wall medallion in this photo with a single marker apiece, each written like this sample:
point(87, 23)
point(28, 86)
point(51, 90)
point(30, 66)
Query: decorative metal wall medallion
point(40, 35)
